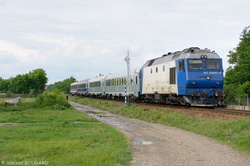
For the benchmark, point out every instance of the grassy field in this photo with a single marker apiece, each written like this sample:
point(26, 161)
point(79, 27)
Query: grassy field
point(58, 137)
point(235, 133)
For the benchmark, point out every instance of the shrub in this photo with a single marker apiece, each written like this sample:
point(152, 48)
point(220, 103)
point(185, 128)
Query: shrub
point(56, 99)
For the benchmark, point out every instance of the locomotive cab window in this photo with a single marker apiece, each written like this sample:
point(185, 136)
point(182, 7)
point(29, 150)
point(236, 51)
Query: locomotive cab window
point(195, 64)
point(181, 66)
point(213, 64)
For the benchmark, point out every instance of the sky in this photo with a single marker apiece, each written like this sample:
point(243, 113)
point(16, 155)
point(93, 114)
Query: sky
point(85, 38)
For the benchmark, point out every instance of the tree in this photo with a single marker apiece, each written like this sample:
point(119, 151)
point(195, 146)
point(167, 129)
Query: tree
point(240, 59)
point(4, 84)
point(239, 73)
point(38, 79)
point(20, 84)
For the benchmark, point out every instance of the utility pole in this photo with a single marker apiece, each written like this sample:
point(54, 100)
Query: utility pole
point(127, 88)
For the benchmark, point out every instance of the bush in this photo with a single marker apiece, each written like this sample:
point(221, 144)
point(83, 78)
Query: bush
point(55, 99)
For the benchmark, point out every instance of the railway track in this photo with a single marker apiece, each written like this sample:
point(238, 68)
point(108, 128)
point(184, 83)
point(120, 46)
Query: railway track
point(198, 110)
point(231, 111)
point(212, 109)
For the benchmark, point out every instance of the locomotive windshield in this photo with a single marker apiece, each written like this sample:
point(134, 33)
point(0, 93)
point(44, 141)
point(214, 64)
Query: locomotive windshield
point(195, 64)
point(212, 64)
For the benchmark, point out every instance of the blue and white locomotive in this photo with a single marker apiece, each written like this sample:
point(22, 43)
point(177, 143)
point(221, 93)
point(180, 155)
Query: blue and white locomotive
point(193, 77)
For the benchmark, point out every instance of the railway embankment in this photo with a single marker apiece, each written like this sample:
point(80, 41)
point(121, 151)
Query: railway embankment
point(238, 107)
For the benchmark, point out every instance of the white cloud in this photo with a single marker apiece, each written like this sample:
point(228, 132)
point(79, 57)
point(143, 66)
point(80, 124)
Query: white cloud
point(7, 58)
point(13, 49)
point(42, 38)
point(15, 59)
point(105, 51)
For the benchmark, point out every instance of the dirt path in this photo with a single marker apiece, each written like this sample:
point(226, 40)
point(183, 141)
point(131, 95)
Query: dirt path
point(155, 144)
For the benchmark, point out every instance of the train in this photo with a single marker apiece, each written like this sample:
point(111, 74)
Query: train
point(191, 77)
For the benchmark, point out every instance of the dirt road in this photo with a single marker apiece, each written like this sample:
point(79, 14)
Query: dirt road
point(155, 144)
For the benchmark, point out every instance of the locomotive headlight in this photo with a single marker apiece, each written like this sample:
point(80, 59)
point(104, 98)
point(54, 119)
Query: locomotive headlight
point(208, 78)
point(203, 56)
point(193, 82)
point(217, 82)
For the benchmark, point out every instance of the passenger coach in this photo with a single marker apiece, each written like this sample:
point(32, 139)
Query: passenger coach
point(83, 87)
point(116, 82)
point(73, 88)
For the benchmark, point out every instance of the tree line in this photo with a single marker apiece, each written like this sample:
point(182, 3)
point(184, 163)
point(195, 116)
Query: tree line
point(29, 83)
point(33, 82)
point(63, 86)
point(237, 78)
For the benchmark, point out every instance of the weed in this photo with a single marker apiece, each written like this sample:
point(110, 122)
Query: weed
point(56, 99)
point(58, 107)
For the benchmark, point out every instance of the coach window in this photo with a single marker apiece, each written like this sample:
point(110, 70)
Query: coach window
point(156, 69)
point(151, 71)
point(195, 64)
point(107, 83)
point(122, 81)
point(163, 68)
point(212, 64)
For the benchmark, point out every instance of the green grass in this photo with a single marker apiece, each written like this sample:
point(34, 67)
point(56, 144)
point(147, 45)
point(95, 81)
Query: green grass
point(28, 115)
point(235, 133)
point(28, 112)
point(53, 137)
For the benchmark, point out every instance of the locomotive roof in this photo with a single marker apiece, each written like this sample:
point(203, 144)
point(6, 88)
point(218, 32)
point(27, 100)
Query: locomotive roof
point(192, 52)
